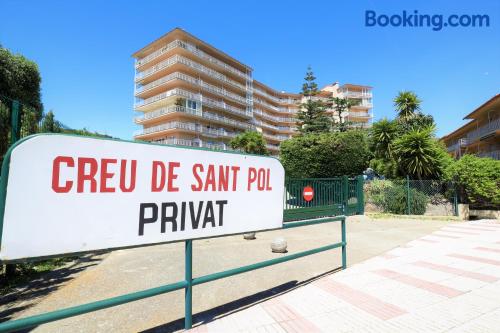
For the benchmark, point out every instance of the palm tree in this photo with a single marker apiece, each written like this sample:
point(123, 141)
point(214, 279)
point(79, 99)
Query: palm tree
point(341, 106)
point(382, 135)
point(407, 104)
point(419, 154)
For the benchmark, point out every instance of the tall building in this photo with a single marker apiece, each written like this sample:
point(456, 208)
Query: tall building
point(481, 135)
point(189, 93)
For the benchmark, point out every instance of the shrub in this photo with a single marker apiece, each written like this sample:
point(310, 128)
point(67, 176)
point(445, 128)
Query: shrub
point(478, 178)
point(392, 197)
point(395, 200)
point(325, 155)
point(375, 191)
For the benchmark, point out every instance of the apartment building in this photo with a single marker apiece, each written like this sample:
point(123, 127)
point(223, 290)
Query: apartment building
point(189, 93)
point(481, 135)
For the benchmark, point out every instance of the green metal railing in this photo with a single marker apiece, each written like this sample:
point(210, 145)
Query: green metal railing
point(187, 284)
point(330, 195)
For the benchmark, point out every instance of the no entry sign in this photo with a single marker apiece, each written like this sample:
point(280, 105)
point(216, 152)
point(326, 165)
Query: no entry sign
point(308, 193)
point(67, 194)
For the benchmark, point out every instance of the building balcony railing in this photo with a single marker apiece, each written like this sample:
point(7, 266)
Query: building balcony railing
point(494, 154)
point(356, 94)
point(363, 105)
point(192, 49)
point(198, 113)
point(196, 82)
point(359, 114)
point(179, 142)
point(263, 93)
point(287, 110)
point(274, 118)
point(276, 137)
point(484, 130)
point(265, 125)
point(192, 127)
point(178, 59)
point(264, 103)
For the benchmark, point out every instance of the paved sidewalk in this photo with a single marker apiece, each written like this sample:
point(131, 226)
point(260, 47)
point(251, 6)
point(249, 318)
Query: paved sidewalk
point(447, 281)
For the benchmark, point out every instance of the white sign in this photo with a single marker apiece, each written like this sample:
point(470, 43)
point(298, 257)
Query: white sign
point(69, 194)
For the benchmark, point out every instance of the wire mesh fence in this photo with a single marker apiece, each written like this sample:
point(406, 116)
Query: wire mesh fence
point(411, 197)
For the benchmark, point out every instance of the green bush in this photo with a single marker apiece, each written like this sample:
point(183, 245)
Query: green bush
point(392, 196)
point(375, 191)
point(395, 200)
point(479, 180)
point(325, 155)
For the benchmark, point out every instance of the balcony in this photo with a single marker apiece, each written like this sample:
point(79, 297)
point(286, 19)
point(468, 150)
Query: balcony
point(196, 82)
point(197, 113)
point(274, 118)
point(191, 127)
point(359, 114)
point(178, 59)
point(494, 154)
point(265, 125)
point(263, 93)
point(192, 49)
point(356, 94)
point(484, 130)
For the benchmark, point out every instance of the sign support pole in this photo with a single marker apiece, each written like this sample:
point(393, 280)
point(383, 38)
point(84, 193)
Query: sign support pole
point(188, 304)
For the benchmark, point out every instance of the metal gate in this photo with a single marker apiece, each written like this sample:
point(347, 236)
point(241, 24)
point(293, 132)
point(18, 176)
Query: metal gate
point(330, 197)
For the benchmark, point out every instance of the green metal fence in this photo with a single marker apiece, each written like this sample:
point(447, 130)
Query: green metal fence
point(331, 195)
point(412, 197)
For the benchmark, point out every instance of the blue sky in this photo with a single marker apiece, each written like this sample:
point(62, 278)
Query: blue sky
point(83, 49)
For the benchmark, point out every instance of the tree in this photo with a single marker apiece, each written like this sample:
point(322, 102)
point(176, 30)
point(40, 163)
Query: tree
point(324, 155)
point(50, 124)
point(342, 105)
point(312, 115)
point(420, 155)
point(250, 142)
point(19, 80)
point(416, 122)
point(407, 104)
point(382, 135)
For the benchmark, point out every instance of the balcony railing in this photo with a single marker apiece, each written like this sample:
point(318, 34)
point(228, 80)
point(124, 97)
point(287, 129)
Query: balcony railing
point(179, 142)
point(359, 114)
point(199, 83)
point(192, 49)
point(356, 94)
point(484, 130)
point(198, 113)
point(263, 93)
point(178, 59)
point(494, 154)
point(193, 127)
point(273, 118)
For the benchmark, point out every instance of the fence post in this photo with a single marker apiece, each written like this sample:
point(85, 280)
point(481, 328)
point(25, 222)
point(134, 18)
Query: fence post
point(360, 195)
point(188, 302)
point(344, 243)
point(455, 198)
point(408, 195)
point(345, 194)
point(15, 122)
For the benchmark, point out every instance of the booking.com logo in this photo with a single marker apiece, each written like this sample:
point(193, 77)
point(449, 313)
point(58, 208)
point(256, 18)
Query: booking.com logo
point(437, 21)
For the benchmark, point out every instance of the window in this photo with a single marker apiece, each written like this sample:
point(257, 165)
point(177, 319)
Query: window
point(192, 104)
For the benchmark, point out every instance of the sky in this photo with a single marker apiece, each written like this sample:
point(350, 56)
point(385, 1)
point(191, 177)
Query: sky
point(83, 50)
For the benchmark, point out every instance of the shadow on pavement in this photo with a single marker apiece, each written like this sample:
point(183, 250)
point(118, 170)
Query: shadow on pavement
point(237, 305)
point(28, 294)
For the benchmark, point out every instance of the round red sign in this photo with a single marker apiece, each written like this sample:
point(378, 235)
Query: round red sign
point(308, 193)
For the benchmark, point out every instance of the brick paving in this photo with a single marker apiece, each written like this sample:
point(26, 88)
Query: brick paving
point(447, 281)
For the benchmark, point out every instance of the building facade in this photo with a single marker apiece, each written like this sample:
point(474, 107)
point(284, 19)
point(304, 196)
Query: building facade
point(189, 93)
point(481, 135)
